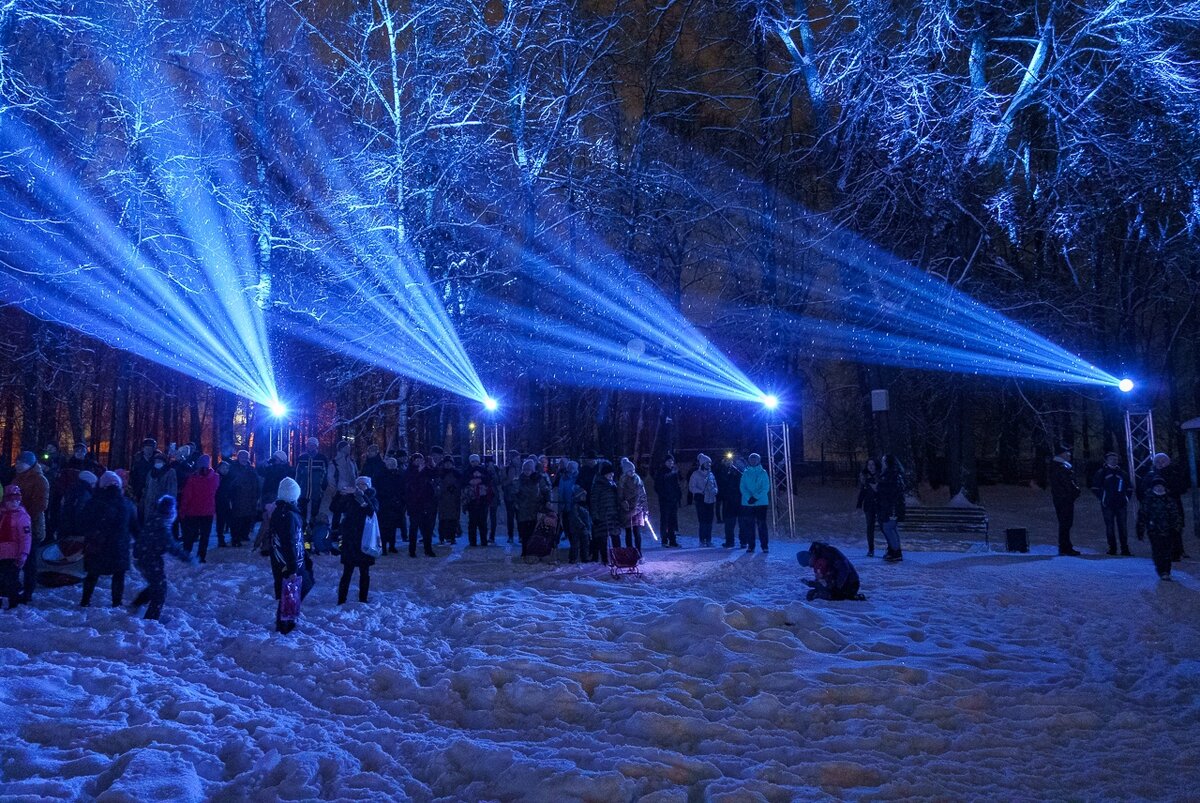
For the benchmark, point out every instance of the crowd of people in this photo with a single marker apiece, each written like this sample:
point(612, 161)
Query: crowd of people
point(176, 502)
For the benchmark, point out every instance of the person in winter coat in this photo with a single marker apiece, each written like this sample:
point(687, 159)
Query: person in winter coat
point(834, 575)
point(494, 482)
point(341, 484)
point(510, 480)
point(868, 501)
point(111, 523)
point(890, 505)
point(161, 481)
point(422, 505)
point(729, 496)
point(312, 472)
point(143, 461)
point(605, 508)
point(198, 506)
point(532, 499)
point(35, 498)
point(71, 524)
point(390, 493)
point(634, 505)
point(362, 506)
point(570, 495)
point(287, 547)
point(670, 494)
point(1177, 484)
point(16, 543)
point(587, 472)
point(1159, 519)
point(702, 485)
point(68, 478)
point(276, 469)
point(244, 498)
point(374, 465)
point(224, 502)
point(1112, 487)
point(756, 496)
point(580, 527)
point(1064, 491)
point(477, 498)
point(449, 502)
point(152, 542)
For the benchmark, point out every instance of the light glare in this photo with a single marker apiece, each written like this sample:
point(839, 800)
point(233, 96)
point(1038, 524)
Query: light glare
point(1125, 385)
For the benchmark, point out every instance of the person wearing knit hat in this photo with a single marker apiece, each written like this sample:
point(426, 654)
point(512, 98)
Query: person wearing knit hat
point(16, 544)
point(245, 498)
point(421, 498)
point(634, 504)
point(1159, 519)
point(71, 524)
point(702, 485)
point(532, 498)
point(89, 478)
point(1111, 486)
point(390, 489)
point(1064, 490)
point(110, 521)
point(35, 498)
point(276, 469)
point(153, 541)
point(362, 510)
point(290, 566)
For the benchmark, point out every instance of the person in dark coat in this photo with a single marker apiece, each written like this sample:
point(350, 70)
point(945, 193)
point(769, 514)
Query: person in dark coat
point(312, 472)
point(360, 507)
point(533, 498)
point(287, 547)
point(68, 478)
point(670, 494)
point(890, 501)
point(1064, 491)
point(390, 492)
point(111, 523)
point(1112, 487)
point(868, 501)
point(374, 465)
point(422, 505)
point(477, 499)
point(493, 511)
point(606, 511)
point(449, 502)
point(587, 473)
point(1159, 519)
point(729, 497)
point(1176, 484)
point(276, 469)
point(154, 540)
point(143, 461)
point(161, 481)
point(834, 575)
point(223, 507)
point(244, 498)
point(71, 523)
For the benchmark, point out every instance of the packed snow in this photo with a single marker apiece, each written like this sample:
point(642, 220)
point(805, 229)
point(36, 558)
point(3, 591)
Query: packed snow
point(964, 675)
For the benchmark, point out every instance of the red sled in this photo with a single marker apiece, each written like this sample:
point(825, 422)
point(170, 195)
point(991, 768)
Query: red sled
point(623, 560)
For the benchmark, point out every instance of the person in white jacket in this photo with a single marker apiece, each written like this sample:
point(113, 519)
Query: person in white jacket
point(703, 487)
point(756, 496)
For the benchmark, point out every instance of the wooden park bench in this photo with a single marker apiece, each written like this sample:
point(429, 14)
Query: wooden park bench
point(920, 519)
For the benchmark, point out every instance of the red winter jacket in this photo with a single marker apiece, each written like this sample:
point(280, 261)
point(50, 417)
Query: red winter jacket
point(199, 495)
point(15, 535)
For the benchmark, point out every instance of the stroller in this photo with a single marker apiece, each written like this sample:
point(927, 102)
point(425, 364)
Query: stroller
point(544, 541)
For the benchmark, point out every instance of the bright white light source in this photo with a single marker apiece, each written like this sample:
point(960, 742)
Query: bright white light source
point(490, 404)
point(278, 409)
point(770, 401)
point(1125, 385)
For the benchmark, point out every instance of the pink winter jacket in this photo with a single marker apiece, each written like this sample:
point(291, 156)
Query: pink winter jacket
point(199, 495)
point(15, 535)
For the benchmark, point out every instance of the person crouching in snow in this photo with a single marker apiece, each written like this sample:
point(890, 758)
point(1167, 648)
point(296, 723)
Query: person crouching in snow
point(149, 546)
point(287, 550)
point(835, 577)
point(1159, 518)
point(362, 506)
point(16, 540)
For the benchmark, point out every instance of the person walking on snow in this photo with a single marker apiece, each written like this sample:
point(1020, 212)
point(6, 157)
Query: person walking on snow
point(756, 496)
point(359, 508)
point(16, 543)
point(702, 485)
point(868, 501)
point(891, 505)
point(198, 506)
point(1159, 519)
point(161, 481)
point(35, 498)
point(112, 521)
point(154, 540)
point(605, 508)
point(1111, 486)
point(287, 548)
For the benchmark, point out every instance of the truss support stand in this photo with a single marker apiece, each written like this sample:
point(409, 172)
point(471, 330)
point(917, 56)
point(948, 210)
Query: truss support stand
point(1139, 441)
point(779, 467)
point(495, 443)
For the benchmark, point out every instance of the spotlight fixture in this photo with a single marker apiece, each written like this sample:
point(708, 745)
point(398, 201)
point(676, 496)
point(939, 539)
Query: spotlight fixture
point(770, 401)
point(1125, 385)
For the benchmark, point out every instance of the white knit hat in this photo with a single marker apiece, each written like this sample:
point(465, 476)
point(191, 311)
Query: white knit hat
point(627, 466)
point(111, 478)
point(88, 477)
point(289, 490)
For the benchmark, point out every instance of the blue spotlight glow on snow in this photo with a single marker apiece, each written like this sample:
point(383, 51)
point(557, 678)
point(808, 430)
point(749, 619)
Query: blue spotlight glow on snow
point(1125, 385)
point(384, 310)
point(186, 298)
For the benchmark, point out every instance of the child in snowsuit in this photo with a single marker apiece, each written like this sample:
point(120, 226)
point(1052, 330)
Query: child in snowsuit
point(835, 576)
point(1159, 518)
point(286, 546)
point(149, 546)
point(16, 540)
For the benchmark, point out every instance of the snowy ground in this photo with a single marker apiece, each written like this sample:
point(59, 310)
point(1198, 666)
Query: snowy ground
point(471, 677)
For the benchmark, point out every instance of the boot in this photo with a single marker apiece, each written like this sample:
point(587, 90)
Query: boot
point(893, 556)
